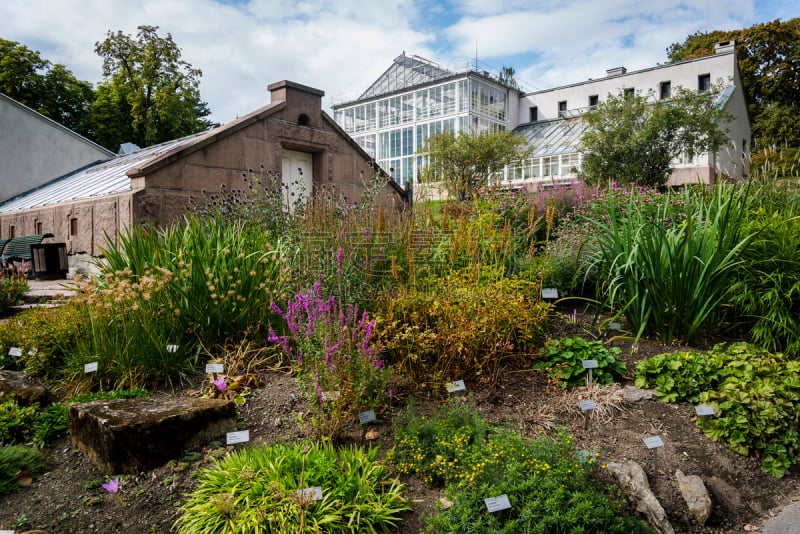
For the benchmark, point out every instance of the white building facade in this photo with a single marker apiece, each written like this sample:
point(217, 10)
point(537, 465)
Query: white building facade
point(415, 99)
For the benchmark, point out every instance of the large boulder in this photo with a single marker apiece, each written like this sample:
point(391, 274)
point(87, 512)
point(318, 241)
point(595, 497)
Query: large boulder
point(19, 385)
point(632, 479)
point(130, 435)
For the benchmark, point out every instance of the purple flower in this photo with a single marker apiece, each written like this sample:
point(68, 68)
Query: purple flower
point(112, 486)
point(220, 383)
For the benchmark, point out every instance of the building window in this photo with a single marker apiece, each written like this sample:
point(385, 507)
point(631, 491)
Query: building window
point(12, 231)
point(628, 93)
point(562, 108)
point(534, 113)
point(704, 82)
point(39, 227)
point(73, 227)
point(593, 102)
point(666, 90)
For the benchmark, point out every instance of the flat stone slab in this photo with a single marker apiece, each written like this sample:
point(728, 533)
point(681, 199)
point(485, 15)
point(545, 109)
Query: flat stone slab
point(18, 384)
point(132, 435)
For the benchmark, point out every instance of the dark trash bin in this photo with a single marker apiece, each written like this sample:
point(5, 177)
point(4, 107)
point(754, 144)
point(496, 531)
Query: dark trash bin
point(49, 260)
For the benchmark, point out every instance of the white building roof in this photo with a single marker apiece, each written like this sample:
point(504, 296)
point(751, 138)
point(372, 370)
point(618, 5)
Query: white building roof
point(105, 178)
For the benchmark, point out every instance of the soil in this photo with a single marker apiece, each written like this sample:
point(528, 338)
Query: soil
point(68, 498)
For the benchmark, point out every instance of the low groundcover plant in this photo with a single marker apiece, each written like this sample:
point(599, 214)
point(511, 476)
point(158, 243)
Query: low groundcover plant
point(259, 490)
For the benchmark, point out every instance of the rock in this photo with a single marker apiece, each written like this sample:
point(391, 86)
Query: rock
point(371, 435)
point(18, 384)
point(130, 435)
point(634, 394)
point(696, 496)
point(633, 481)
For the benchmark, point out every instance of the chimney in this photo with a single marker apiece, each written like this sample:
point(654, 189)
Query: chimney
point(303, 103)
point(724, 46)
point(617, 71)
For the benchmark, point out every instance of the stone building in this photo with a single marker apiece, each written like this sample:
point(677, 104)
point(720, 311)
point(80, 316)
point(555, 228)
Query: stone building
point(291, 137)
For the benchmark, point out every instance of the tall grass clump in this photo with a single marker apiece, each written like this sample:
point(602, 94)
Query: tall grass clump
point(196, 282)
point(670, 276)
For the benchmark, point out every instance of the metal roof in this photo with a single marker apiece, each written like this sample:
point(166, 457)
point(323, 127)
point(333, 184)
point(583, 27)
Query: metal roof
point(558, 136)
point(104, 178)
point(406, 72)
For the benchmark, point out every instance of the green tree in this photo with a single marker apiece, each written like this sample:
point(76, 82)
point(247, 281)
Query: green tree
point(149, 95)
point(769, 64)
point(634, 138)
point(465, 161)
point(50, 89)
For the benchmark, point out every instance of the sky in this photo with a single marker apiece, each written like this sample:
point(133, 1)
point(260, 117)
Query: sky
point(342, 46)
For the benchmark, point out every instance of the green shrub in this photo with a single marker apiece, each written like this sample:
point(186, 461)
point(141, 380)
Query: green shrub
point(563, 361)
point(13, 286)
point(462, 327)
point(767, 285)
point(438, 448)
point(16, 458)
point(256, 490)
point(753, 392)
point(53, 422)
point(779, 162)
point(550, 490)
point(670, 275)
point(43, 335)
point(15, 421)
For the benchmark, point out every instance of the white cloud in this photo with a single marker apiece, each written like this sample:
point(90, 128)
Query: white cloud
point(342, 46)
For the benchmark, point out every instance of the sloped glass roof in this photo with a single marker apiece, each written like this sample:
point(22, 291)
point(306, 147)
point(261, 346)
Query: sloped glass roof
point(558, 136)
point(405, 72)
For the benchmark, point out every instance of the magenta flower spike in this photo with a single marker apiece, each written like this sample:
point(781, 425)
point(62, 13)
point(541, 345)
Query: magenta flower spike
point(112, 486)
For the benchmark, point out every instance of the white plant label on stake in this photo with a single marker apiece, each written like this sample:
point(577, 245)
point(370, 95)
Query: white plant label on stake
point(7, 531)
point(495, 504)
point(214, 368)
point(614, 326)
point(587, 405)
point(14, 351)
point(458, 385)
point(242, 436)
point(589, 364)
point(704, 410)
point(316, 492)
point(653, 442)
point(549, 293)
point(330, 395)
point(585, 456)
point(366, 417)
point(172, 348)
point(90, 367)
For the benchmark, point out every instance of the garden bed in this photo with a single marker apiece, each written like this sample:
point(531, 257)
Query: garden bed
point(69, 497)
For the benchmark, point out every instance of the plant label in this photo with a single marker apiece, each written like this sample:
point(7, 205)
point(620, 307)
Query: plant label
point(15, 351)
point(704, 410)
point(90, 367)
point(7, 531)
point(330, 395)
point(172, 348)
point(495, 504)
point(614, 326)
point(589, 364)
point(315, 492)
point(585, 456)
point(653, 442)
point(214, 368)
point(242, 436)
point(458, 385)
point(549, 293)
point(587, 405)
point(366, 417)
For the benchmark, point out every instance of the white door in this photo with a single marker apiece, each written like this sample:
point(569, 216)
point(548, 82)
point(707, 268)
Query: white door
point(297, 177)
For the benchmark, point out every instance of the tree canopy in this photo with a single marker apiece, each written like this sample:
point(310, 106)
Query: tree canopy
point(635, 139)
point(149, 95)
point(769, 63)
point(464, 161)
point(48, 88)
